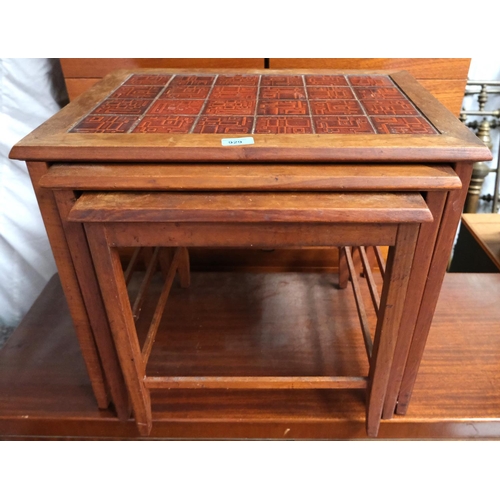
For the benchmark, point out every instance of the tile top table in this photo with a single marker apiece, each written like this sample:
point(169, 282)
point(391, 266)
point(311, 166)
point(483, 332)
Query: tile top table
point(311, 131)
point(181, 115)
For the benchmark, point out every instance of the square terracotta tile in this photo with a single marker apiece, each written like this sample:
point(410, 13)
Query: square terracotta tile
point(186, 92)
point(336, 107)
point(136, 92)
point(148, 80)
point(224, 125)
point(323, 80)
point(224, 107)
point(234, 92)
point(190, 80)
point(402, 125)
point(371, 81)
point(176, 107)
point(105, 125)
point(122, 107)
point(283, 125)
point(389, 107)
point(281, 81)
point(238, 80)
point(330, 93)
point(282, 93)
point(282, 108)
point(165, 125)
point(379, 93)
point(343, 125)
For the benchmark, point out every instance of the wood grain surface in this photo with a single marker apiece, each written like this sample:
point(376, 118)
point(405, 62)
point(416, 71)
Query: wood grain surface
point(456, 396)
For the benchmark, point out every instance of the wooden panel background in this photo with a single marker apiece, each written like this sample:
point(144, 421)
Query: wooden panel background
point(444, 78)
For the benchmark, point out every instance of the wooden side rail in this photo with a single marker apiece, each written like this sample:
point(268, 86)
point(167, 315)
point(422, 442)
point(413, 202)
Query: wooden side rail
point(253, 177)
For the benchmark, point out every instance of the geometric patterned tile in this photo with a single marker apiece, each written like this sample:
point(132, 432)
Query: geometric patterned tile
point(148, 80)
point(136, 92)
point(224, 125)
point(282, 93)
point(282, 108)
point(370, 81)
point(186, 92)
point(330, 93)
point(176, 107)
point(343, 125)
point(192, 80)
point(165, 124)
point(224, 107)
point(389, 107)
point(238, 80)
point(337, 80)
point(378, 93)
point(336, 107)
point(283, 125)
point(234, 92)
point(402, 125)
point(122, 107)
point(105, 124)
point(281, 81)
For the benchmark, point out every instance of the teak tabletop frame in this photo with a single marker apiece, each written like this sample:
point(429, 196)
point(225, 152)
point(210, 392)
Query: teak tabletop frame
point(65, 163)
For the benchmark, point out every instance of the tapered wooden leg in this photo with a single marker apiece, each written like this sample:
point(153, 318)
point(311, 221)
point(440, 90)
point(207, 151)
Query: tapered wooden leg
point(419, 271)
point(343, 269)
point(82, 260)
point(391, 309)
point(69, 282)
point(184, 272)
point(114, 291)
point(442, 250)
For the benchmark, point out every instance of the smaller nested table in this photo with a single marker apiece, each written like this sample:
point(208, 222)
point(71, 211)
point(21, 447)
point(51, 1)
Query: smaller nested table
point(164, 131)
point(265, 220)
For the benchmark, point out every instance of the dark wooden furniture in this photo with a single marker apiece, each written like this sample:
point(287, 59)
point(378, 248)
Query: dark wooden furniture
point(45, 391)
point(396, 125)
point(478, 245)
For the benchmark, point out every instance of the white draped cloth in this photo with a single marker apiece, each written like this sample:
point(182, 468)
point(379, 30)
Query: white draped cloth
point(31, 91)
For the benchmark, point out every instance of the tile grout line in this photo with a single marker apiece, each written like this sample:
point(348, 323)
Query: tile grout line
point(205, 104)
point(313, 125)
point(139, 120)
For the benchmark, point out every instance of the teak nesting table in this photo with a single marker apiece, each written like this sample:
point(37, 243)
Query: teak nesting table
point(166, 160)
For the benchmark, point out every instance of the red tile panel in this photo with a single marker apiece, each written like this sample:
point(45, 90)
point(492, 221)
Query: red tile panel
point(283, 108)
point(122, 107)
point(224, 125)
point(389, 107)
point(238, 80)
point(282, 93)
point(193, 80)
point(323, 80)
point(371, 81)
point(234, 92)
point(281, 81)
point(330, 93)
point(136, 92)
point(165, 125)
point(378, 93)
point(343, 125)
point(176, 107)
point(283, 125)
point(186, 92)
point(336, 107)
point(105, 124)
point(260, 104)
point(402, 125)
point(224, 107)
point(148, 80)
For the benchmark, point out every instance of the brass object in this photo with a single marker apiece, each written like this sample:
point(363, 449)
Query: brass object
point(489, 121)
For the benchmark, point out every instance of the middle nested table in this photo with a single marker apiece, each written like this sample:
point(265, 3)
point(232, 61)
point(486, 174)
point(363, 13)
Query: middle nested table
point(337, 135)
